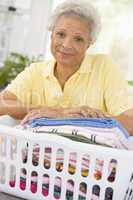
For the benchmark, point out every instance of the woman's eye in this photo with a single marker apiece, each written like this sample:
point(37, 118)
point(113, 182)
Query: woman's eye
point(60, 34)
point(79, 39)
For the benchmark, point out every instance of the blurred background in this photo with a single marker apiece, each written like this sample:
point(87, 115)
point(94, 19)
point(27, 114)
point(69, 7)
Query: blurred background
point(24, 37)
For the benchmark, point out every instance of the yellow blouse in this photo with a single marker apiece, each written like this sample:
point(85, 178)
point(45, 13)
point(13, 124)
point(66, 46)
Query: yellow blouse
point(98, 83)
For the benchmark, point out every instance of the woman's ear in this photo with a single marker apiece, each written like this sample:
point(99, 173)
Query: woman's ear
point(89, 44)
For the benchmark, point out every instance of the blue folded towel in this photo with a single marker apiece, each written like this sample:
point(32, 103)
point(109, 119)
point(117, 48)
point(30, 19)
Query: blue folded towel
point(82, 122)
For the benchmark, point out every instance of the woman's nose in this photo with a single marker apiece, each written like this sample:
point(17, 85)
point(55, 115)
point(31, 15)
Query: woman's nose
point(67, 43)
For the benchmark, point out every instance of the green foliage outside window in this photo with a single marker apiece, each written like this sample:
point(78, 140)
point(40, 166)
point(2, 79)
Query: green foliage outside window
point(13, 65)
point(130, 83)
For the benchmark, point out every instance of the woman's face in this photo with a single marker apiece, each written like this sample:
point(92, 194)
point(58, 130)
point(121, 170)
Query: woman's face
point(69, 40)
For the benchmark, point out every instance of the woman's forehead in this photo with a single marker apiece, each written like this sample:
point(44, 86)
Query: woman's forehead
point(71, 18)
point(72, 23)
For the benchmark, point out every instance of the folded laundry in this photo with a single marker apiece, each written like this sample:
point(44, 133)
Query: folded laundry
point(85, 122)
point(106, 131)
point(112, 137)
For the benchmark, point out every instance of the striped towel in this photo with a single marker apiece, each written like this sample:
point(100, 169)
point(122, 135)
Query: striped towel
point(102, 131)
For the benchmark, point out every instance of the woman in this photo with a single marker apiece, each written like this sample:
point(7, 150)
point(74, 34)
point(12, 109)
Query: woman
point(73, 84)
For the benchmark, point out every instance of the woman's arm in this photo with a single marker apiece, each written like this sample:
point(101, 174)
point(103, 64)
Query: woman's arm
point(9, 104)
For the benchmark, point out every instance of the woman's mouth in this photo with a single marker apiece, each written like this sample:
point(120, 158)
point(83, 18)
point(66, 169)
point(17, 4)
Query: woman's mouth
point(66, 54)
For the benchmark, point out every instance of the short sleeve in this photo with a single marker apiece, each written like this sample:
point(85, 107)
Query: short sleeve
point(117, 94)
point(21, 86)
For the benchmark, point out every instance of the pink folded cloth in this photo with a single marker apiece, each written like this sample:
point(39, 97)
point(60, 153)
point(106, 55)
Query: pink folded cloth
point(111, 137)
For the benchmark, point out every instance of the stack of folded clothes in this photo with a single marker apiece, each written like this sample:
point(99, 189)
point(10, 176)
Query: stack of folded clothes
point(106, 132)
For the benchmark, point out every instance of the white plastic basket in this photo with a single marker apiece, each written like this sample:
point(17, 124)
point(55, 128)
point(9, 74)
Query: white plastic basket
point(13, 142)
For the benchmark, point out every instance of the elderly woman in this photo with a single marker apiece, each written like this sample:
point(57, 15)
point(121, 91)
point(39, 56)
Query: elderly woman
point(74, 83)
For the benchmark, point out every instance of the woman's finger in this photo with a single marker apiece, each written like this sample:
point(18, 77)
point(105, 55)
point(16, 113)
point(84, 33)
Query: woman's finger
point(29, 116)
point(74, 115)
point(35, 116)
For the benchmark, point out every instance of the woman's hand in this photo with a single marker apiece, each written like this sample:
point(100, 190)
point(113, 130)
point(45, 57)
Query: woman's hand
point(76, 112)
point(51, 112)
point(87, 111)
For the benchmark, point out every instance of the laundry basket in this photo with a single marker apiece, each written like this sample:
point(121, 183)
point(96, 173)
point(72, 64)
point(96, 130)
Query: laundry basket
point(83, 172)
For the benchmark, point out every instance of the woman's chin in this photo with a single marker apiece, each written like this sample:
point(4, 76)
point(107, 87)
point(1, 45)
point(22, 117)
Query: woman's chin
point(65, 62)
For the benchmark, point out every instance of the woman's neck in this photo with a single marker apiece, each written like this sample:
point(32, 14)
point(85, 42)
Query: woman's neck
point(63, 73)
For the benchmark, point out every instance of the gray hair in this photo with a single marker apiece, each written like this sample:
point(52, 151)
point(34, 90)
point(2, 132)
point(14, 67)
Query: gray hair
point(82, 9)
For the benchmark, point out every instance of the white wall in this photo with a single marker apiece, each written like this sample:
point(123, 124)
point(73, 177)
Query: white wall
point(30, 31)
point(36, 40)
